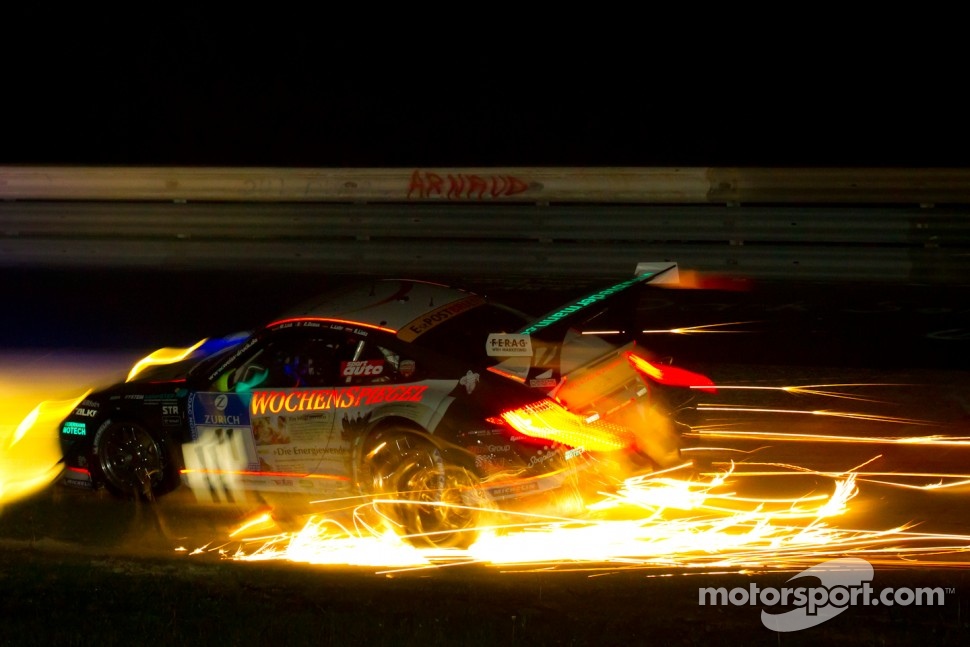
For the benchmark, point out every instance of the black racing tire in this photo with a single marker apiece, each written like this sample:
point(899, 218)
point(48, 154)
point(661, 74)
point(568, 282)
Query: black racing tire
point(432, 502)
point(134, 462)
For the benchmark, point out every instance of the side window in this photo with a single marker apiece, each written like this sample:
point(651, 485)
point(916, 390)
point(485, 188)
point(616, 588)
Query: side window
point(317, 360)
point(293, 360)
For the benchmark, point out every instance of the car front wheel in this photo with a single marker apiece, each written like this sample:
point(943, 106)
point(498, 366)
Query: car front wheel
point(134, 463)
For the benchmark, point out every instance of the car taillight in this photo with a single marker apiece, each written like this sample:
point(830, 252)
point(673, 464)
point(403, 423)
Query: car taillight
point(547, 419)
point(671, 375)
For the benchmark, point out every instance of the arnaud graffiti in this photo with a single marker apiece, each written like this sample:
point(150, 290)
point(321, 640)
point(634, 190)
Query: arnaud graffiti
point(460, 186)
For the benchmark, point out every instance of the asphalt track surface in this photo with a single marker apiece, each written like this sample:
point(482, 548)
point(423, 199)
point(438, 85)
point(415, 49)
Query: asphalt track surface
point(912, 339)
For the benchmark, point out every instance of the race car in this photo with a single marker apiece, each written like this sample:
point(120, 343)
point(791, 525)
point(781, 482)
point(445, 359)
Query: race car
point(428, 396)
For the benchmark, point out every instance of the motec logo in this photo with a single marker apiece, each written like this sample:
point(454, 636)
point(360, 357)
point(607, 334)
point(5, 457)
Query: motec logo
point(843, 583)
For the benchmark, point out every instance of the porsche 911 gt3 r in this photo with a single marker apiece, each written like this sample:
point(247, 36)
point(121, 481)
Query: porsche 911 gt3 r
point(405, 390)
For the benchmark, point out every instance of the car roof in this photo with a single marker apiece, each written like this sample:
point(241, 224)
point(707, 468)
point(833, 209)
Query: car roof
point(409, 308)
point(392, 304)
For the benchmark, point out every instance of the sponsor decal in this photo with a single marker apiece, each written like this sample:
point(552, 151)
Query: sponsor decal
point(339, 326)
point(470, 381)
point(74, 429)
point(506, 345)
point(488, 462)
point(272, 402)
point(509, 490)
point(542, 457)
point(546, 383)
point(424, 323)
point(484, 432)
point(311, 451)
point(406, 368)
point(573, 453)
point(222, 367)
point(218, 419)
point(214, 410)
point(364, 367)
point(85, 412)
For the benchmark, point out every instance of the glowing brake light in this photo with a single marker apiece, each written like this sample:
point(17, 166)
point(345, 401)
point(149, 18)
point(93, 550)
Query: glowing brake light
point(549, 420)
point(671, 375)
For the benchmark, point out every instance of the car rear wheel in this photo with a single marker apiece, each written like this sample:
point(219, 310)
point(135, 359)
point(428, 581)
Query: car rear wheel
point(133, 462)
point(434, 503)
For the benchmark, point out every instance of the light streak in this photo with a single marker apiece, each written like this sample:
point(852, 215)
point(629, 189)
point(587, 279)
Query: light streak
point(930, 480)
point(30, 456)
point(815, 412)
point(162, 356)
point(262, 522)
point(952, 441)
point(686, 330)
point(265, 474)
point(702, 329)
point(813, 389)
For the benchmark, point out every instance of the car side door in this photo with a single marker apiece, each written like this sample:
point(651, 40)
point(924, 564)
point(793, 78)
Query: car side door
point(282, 396)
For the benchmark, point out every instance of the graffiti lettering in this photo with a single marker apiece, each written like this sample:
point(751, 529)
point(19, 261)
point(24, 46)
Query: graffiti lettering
point(460, 186)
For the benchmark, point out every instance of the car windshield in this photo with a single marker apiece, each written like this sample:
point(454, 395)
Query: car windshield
point(215, 351)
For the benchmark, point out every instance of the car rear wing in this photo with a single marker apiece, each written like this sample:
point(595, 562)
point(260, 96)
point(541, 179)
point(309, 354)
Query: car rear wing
point(533, 354)
point(553, 325)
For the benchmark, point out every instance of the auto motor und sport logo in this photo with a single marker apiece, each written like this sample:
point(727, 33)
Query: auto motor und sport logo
point(843, 582)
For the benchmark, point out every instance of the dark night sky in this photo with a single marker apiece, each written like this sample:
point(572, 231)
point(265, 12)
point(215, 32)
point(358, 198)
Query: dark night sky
point(186, 97)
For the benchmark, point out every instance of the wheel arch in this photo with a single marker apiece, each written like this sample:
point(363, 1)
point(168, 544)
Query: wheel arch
point(367, 442)
point(168, 448)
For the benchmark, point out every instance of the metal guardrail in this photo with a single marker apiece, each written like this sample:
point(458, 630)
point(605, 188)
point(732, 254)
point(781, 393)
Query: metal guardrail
point(885, 243)
point(876, 225)
point(900, 225)
point(506, 185)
